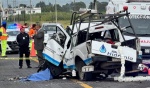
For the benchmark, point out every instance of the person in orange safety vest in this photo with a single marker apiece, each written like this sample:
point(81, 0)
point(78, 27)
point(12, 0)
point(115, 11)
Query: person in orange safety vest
point(31, 34)
point(3, 38)
point(32, 31)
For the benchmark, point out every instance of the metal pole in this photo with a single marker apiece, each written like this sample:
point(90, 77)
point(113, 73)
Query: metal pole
point(95, 4)
point(56, 11)
point(30, 13)
point(7, 3)
point(15, 4)
point(13, 8)
point(14, 1)
point(74, 5)
point(1, 12)
point(24, 15)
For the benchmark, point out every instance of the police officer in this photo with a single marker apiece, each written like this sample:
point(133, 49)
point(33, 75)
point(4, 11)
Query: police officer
point(23, 41)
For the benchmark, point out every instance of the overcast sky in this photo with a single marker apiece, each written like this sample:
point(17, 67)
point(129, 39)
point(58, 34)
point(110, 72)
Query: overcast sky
point(34, 2)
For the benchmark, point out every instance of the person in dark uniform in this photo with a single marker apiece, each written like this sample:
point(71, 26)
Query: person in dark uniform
point(23, 41)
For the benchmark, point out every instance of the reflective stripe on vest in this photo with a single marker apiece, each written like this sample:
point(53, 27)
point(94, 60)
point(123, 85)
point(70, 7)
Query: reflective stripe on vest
point(4, 34)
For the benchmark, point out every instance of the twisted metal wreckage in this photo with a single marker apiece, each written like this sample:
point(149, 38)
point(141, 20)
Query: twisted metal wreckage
point(86, 48)
point(84, 57)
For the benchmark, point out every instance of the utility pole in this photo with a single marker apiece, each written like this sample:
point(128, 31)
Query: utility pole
point(95, 4)
point(74, 5)
point(14, 7)
point(15, 4)
point(56, 11)
point(7, 3)
point(30, 13)
point(1, 12)
point(13, 10)
point(24, 15)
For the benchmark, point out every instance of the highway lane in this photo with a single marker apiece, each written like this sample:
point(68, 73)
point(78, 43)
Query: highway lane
point(9, 69)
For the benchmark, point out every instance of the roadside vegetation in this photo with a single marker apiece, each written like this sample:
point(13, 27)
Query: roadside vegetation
point(48, 12)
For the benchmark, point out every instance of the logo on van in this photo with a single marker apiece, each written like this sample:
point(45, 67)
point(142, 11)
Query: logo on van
point(102, 49)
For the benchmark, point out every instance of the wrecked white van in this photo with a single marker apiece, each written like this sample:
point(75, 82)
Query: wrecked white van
point(92, 46)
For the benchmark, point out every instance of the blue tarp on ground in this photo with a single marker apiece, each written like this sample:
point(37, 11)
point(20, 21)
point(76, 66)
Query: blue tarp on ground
point(40, 76)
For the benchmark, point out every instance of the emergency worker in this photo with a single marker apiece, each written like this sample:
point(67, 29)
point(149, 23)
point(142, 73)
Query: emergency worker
point(32, 31)
point(31, 34)
point(23, 41)
point(3, 37)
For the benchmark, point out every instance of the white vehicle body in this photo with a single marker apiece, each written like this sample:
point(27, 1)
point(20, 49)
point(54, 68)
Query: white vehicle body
point(52, 51)
point(75, 50)
point(50, 29)
point(92, 44)
point(140, 18)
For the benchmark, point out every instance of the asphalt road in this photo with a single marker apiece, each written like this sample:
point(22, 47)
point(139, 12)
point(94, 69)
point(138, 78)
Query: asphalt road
point(9, 69)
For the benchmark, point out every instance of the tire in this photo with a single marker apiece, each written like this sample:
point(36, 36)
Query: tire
point(84, 76)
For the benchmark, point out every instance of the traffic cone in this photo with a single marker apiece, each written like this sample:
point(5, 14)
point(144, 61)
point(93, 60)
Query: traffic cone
point(32, 51)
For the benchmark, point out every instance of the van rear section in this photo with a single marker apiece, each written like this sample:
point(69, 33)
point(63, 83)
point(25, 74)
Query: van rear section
point(106, 58)
point(114, 51)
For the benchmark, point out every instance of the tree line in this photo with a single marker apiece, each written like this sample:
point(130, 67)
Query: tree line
point(67, 7)
point(48, 11)
point(70, 6)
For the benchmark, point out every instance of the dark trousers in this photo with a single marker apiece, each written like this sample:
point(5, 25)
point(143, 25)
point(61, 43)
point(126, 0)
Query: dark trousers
point(24, 50)
point(40, 57)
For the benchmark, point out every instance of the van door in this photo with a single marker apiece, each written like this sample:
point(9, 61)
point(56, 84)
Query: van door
point(56, 46)
point(68, 61)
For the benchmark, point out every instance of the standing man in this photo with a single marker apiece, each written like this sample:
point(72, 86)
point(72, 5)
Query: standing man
point(3, 38)
point(39, 43)
point(23, 41)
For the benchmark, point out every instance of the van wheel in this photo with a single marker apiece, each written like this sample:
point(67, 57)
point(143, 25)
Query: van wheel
point(85, 76)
